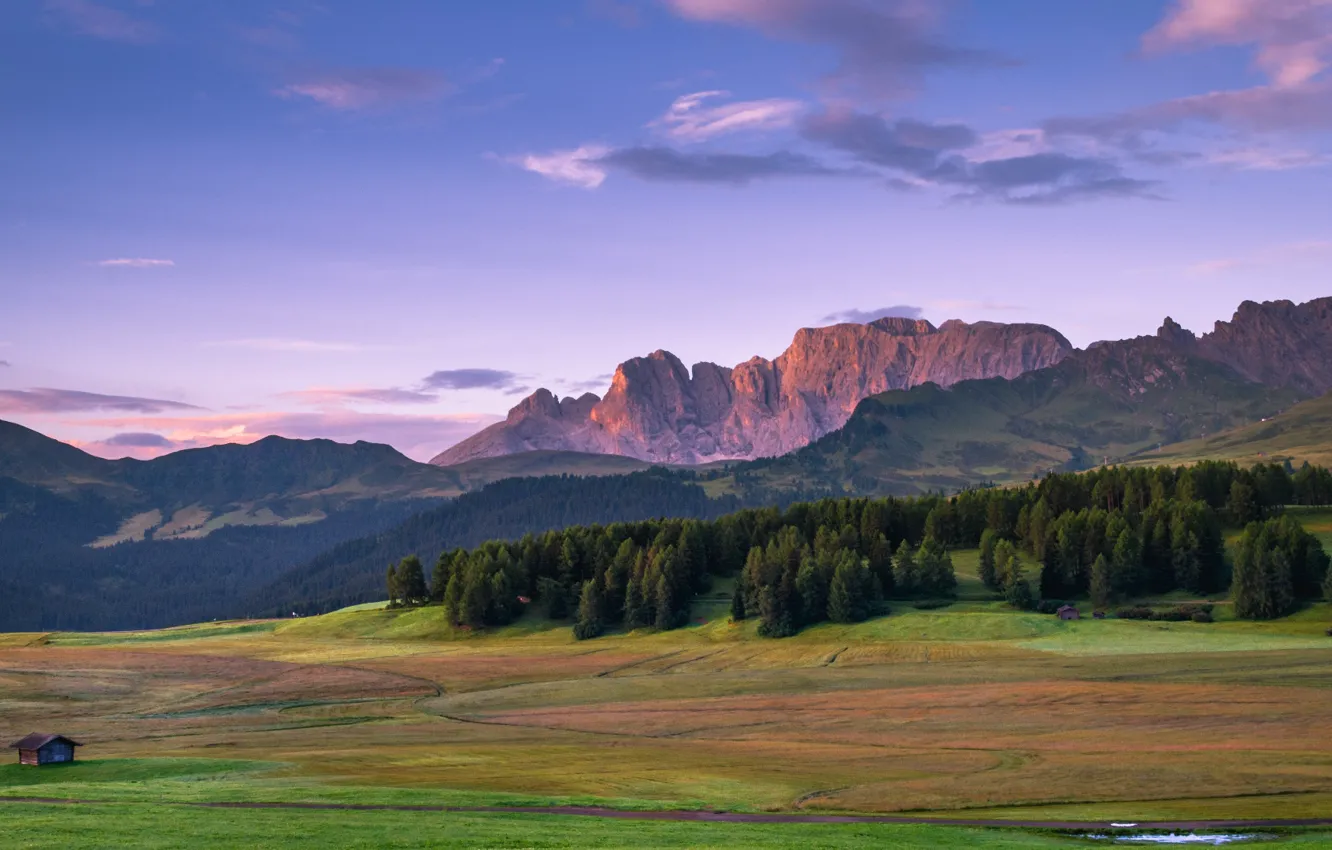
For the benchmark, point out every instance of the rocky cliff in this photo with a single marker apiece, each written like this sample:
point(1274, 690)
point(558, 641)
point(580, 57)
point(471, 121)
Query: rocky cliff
point(658, 410)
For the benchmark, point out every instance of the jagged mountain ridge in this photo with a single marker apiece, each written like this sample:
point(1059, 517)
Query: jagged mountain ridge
point(659, 411)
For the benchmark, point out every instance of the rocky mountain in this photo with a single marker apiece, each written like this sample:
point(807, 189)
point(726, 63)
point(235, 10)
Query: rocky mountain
point(657, 410)
point(1278, 343)
point(1112, 401)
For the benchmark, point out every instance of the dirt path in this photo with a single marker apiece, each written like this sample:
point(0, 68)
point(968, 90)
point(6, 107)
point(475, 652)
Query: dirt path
point(700, 816)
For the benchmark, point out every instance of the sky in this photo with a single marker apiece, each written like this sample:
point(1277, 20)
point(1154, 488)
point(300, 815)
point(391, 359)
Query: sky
point(223, 219)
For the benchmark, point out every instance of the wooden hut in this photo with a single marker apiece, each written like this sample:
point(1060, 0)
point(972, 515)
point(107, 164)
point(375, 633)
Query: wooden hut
point(38, 749)
point(1068, 612)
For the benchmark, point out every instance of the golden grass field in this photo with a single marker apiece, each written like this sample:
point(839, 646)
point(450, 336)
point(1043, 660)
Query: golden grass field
point(973, 711)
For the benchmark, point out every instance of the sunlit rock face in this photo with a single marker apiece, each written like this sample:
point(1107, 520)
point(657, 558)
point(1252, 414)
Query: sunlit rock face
point(658, 410)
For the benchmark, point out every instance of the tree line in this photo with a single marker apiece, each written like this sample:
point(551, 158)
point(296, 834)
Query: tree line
point(1110, 534)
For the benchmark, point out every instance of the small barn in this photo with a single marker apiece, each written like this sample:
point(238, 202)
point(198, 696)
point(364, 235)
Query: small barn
point(1068, 612)
point(38, 749)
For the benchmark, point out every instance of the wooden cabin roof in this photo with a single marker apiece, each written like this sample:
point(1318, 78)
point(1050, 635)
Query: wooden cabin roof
point(37, 740)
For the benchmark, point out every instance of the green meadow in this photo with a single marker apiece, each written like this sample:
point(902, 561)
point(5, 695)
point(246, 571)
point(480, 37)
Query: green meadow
point(970, 711)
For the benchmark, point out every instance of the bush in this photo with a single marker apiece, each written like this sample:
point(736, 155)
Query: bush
point(1049, 606)
point(1202, 617)
point(1137, 613)
point(931, 604)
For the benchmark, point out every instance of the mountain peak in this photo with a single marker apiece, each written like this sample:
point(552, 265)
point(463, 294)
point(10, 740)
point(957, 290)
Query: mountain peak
point(659, 411)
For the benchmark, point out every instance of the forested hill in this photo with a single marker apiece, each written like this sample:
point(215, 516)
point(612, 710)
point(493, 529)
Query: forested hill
point(1113, 535)
point(353, 572)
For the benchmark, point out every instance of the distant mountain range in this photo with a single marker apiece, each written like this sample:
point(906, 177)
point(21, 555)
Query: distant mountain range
point(657, 410)
point(893, 407)
point(87, 542)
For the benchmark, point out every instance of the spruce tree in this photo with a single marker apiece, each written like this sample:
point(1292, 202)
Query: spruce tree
point(936, 576)
point(665, 603)
point(394, 589)
point(411, 581)
point(1100, 582)
point(589, 624)
point(738, 603)
point(1126, 565)
point(1017, 592)
point(906, 579)
point(989, 576)
point(1262, 588)
point(812, 586)
point(881, 564)
point(848, 595)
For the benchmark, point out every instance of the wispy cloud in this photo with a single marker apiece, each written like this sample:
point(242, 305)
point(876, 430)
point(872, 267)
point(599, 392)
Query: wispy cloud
point(670, 165)
point(864, 317)
point(331, 396)
point(138, 440)
point(1288, 254)
point(43, 400)
point(577, 167)
point(5, 363)
point(99, 21)
point(474, 379)
point(690, 118)
point(1292, 38)
point(883, 45)
point(136, 263)
point(354, 89)
point(418, 436)
point(302, 346)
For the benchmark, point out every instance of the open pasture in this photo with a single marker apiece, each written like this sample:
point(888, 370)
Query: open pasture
point(967, 708)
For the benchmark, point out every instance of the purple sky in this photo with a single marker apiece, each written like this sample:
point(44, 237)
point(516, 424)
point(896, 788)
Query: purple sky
point(390, 221)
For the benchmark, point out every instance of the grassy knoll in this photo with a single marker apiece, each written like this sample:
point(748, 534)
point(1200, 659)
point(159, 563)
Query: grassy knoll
point(972, 709)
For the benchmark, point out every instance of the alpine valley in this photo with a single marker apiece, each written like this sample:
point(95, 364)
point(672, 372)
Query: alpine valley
point(896, 406)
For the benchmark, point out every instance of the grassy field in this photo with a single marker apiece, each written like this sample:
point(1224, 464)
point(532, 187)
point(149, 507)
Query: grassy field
point(1298, 434)
point(970, 710)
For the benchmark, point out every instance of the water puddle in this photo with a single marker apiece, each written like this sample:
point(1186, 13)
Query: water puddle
point(1188, 838)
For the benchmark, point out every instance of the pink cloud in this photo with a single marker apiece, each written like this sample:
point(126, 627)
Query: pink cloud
point(689, 119)
point(1293, 37)
point(337, 397)
point(417, 436)
point(93, 19)
point(352, 89)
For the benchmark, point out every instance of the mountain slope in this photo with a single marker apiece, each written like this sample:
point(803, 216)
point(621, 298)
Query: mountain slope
point(1108, 402)
point(1302, 433)
point(353, 571)
point(659, 411)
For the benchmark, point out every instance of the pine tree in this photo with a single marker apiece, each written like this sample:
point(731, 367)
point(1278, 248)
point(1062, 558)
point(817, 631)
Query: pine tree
point(589, 624)
point(635, 611)
point(1263, 588)
point(906, 578)
point(1017, 592)
point(738, 603)
point(554, 598)
point(1100, 582)
point(1005, 555)
point(989, 576)
point(812, 586)
point(1126, 565)
point(394, 588)
point(665, 603)
point(881, 564)
point(411, 581)
point(935, 570)
point(848, 595)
